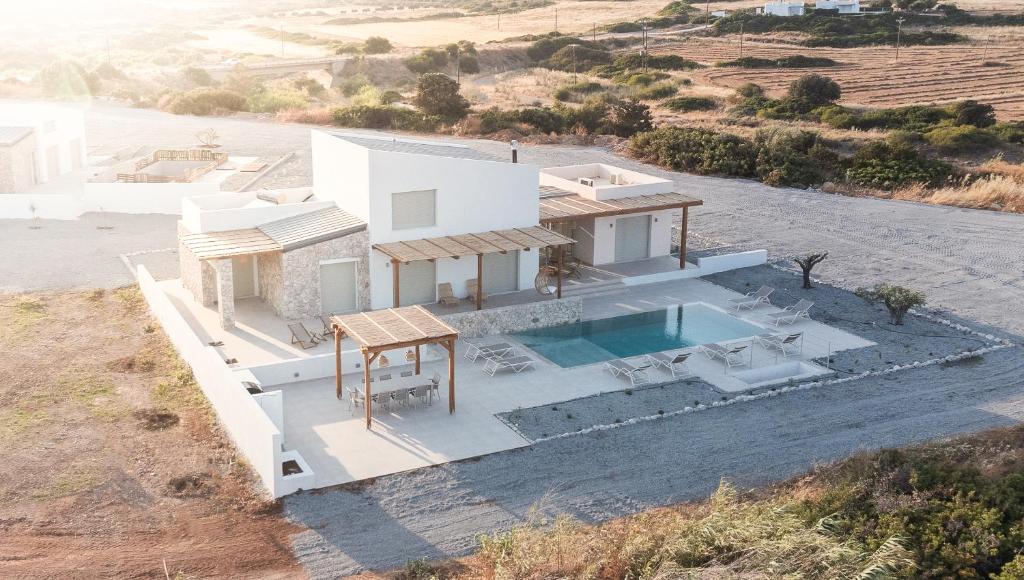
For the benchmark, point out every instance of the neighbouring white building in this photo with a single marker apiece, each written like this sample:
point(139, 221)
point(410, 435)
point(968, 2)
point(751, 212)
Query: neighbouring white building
point(393, 222)
point(783, 8)
point(842, 6)
point(39, 143)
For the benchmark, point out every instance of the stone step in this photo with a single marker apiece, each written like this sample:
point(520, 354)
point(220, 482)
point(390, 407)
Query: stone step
point(593, 288)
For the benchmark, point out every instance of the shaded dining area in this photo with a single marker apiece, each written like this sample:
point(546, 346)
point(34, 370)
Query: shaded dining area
point(377, 331)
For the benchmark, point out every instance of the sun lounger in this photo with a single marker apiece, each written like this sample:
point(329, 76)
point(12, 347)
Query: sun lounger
point(445, 295)
point(637, 374)
point(471, 287)
point(675, 364)
point(752, 299)
point(498, 349)
point(791, 314)
point(517, 364)
point(326, 321)
point(302, 335)
point(730, 355)
point(787, 344)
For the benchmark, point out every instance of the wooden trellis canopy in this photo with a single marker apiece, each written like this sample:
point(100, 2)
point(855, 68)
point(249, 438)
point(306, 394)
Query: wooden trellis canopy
point(491, 242)
point(555, 208)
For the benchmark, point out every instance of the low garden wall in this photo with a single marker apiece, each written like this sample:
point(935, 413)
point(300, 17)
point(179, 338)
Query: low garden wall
point(516, 318)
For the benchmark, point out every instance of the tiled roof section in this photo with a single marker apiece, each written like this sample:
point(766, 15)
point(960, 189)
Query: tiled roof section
point(216, 245)
point(393, 327)
point(555, 208)
point(490, 242)
point(312, 228)
point(12, 135)
point(552, 191)
point(435, 149)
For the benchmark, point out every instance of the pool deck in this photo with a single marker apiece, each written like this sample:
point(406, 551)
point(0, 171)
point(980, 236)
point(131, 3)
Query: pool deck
point(334, 441)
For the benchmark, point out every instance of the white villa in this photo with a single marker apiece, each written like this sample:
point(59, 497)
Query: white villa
point(783, 8)
point(842, 6)
point(39, 143)
point(325, 323)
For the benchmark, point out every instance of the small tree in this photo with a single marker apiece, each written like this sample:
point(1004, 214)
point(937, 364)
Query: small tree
point(814, 90)
point(897, 299)
point(438, 94)
point(807, 263)
point(630, 117)
point(974, 113)
point(377, 45)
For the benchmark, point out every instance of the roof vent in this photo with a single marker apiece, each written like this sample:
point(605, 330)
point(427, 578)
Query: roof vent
point(588, 181)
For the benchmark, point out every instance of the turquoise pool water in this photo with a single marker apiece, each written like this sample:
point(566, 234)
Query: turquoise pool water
point(594, 341)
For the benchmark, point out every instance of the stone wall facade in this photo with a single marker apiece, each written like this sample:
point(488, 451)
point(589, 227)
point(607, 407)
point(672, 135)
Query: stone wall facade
point(519, 317)
point(197, 276)
point(291, 286)
point(17, 166)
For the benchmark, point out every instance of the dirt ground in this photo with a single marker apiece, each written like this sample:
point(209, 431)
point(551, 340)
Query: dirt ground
point(114, 466)
point(872, 76)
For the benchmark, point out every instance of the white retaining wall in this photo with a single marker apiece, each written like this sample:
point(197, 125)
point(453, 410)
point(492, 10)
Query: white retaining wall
point(252, 431)
point(705, 266)
point(40, 205)
point(319, 366)
point(141, 198)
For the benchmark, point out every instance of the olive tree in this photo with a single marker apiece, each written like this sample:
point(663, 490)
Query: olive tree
point(807, 263)
point(438, 94)
point(897, 299)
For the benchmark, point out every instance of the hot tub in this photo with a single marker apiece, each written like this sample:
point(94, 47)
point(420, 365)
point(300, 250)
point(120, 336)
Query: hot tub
point(793, 371)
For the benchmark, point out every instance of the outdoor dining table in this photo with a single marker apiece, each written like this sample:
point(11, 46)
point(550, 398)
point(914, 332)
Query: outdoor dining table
point(395, 384)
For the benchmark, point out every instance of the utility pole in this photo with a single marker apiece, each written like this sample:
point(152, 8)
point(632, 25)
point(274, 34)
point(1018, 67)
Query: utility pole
point(707, 13)
point(643, 53)
point(899, 31)
point(281, 28)
point(573, 64)
point(458, 65)
point(984, 50)
point(499, 21)
point(595, 32)
point(741, 39)
point(556, 18)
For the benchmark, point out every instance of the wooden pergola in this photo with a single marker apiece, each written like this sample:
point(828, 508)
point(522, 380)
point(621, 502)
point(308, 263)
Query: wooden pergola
point(377, 331)
point(478, 244)
point(569, 207)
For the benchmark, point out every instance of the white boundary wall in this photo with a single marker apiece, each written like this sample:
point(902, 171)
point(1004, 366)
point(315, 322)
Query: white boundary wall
point(138, 198)
point(705, 266)
point(252, 431)
point(40, 205)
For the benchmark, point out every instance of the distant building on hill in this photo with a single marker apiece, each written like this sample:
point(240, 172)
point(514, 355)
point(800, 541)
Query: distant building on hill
point(783, 8)
point(842, 6)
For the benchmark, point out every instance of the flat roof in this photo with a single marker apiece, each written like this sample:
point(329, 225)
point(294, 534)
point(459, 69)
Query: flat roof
point(434, 148)
point(12, 135)
point(490, 242)
point(393, 327)
point(310, 228)
point(556, 207)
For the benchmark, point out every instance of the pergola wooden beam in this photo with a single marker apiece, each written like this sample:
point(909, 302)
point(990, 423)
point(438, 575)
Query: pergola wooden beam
point(562, 208)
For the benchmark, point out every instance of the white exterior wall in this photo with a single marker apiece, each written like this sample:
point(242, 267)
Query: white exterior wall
point(341, 172)
point(54, 125)
point(222, 212)
point(140, 198)
point(843, 6)
point(783, 9)
point(659, 244)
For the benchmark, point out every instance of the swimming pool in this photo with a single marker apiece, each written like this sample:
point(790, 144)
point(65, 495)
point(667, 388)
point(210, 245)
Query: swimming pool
point(594, 341)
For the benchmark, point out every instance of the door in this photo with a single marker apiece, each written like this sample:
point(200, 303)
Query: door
point(52, 162)
point(501, 272)
point(338, 287)
point(632, 238)
point(416, 283)
point(243, 275)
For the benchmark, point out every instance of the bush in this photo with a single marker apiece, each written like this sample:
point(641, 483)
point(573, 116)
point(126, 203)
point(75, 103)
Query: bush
point(887, 166)
point(687, 104)
point(814, 90)
point(310, 86)
point(639, 79)
point(428, 61)
point(469, 64)
point(960, 139)
point(352, 85)
point(792, 157)
point(630, 117)
point(794, 61)
point(197, 76)
point(67, 80)
point(749, 91)
point(575, 93)
point(544, 48)
point(1011, 131)
point(377, 45)
point(385, 117)
point(696, 150)
point(206, 102)
point(388, 97)
point(438, 95)
point(973, 113)
point(585, 58)
point(656, 91)
point(368, 96)
point(273, 100)
point(897, 299)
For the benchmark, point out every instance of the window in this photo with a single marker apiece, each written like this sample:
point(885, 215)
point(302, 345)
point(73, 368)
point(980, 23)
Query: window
point(413, 209)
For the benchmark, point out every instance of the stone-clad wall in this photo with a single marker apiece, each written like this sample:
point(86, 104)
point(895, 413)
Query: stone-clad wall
point(477, 323)
point(300, 275)
point(197, 276)
point(270, 278)
point(17, 169)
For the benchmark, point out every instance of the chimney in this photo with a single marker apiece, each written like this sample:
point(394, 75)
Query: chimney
point(515, 151)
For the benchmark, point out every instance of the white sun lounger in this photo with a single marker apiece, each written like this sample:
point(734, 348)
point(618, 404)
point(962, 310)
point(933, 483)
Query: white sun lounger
point(675, 364)
point(730, 355)
point(489, 350)
point(517, 364)
point(787, 344)
point(752, 299)
point(637, 374)
point(791, 314)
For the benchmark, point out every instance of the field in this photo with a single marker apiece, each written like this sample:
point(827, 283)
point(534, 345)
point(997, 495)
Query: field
point(871, 76)
point(113, 466)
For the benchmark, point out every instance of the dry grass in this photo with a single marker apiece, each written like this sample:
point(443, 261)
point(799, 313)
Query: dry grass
point(321, 116)
point(995, 192)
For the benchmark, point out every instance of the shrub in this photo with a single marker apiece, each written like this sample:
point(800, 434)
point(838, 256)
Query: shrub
point(385, 117)
point(574, 93)
point(1011, 131)
point(368, 95)
point(469, 64)
point(428, 61)
point(887, 166)
point(973, 113)
point(353, 84)
point(750, 90)
point(438, 95)
point(629, 117)
point(897, 299)
point(696, 150)
point(274, 100)
point(641, 79)
point(388, 97)
point(197, 76)
point(793, 61)
point(960, 139)
point(546, 47)
point(310, 86)
point(65, 80)
point(814, 90)
point(206, 102)
point(687, 104)
point(656, 91)
point(585, 58)
point(377, 45)
point(792, 157)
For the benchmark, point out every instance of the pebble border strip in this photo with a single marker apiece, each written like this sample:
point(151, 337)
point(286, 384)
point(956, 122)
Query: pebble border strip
point(1000, 344)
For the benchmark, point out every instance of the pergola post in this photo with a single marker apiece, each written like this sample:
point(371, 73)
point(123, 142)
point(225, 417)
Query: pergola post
point(682, 237)
point(394, 281)
point(451, 375)
point(337, 361)
point(417, 359)
point(479, 281)
point(558, 287)
point(367, 396)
